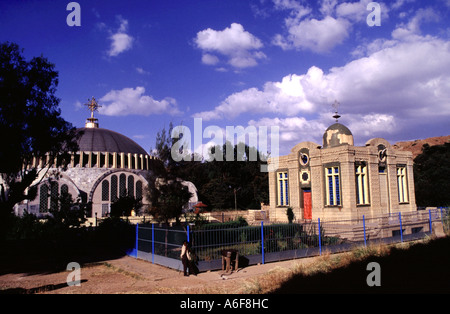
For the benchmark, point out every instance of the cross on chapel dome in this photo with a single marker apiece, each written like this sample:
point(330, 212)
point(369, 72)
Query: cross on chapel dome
point(92, 106)
point(337, 134)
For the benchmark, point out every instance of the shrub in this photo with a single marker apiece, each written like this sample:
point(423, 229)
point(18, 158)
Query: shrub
point(115, 232)
point(290, 215)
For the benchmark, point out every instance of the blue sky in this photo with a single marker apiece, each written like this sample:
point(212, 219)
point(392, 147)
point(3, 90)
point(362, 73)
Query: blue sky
point(245, 63)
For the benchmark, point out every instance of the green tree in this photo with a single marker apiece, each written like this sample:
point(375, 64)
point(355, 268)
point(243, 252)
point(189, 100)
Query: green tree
point(163, 150)
point(165, 191)
point(290, 214)
point(168, 199)
point(124, 205)
point(432, 175)
point(69, 212)
point(233, 177)
point(241, 176)
point(30, 122)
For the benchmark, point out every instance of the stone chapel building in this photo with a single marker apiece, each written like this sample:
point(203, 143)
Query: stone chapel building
point(338, 180)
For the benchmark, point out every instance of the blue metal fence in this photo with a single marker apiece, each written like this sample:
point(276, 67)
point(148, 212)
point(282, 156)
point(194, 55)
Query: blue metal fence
point(274, 242)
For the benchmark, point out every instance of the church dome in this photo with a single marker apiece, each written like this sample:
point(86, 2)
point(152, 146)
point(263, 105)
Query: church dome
point(336, 135)
point(103, 140)
point(103, 148)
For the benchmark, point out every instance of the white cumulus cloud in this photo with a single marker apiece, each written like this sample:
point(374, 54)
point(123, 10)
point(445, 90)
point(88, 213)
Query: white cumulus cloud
point(320, 33)
point(315, 35)
point(287, 97)
point(239, 47)
point(120, 40)
point(134, 101)
point(395, 88)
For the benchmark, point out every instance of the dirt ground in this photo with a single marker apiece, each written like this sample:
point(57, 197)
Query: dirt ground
point(406, 268)
point(127, 275)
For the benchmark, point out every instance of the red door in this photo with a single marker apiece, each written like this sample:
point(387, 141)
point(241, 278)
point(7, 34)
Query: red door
point(307, 205)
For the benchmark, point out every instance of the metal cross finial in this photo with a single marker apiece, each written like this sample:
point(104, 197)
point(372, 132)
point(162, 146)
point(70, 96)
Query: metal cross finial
point(92, 106)
point(336, 107)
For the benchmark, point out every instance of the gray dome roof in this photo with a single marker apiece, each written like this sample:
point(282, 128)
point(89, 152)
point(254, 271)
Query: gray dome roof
point(103, 140)
point(337, 134)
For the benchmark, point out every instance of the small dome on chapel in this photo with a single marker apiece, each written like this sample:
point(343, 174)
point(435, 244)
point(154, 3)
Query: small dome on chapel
point(336, 135)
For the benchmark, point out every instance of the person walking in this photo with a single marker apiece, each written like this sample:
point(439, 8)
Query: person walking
point(193, 269)
point(184, 257)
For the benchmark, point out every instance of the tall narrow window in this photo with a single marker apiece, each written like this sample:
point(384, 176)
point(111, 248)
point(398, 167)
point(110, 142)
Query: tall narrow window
point(138, 189)
point(362, 189)
point(130, 186)
point(283, 188)
point(122, 185)
point(105, 190)
point(54, 188)
point(333, 189)
point(64, 189)
point(105, 209)
point(43, 198)
point(113, 188)
point(402, 185)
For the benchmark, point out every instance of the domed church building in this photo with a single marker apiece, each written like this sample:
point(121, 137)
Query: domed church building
point(107, 166)
point(338, 180)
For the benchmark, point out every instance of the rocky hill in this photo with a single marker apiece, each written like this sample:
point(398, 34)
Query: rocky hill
point(416, 146)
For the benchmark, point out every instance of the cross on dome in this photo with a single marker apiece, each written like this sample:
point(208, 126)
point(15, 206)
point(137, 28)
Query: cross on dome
point(335, 105)
point(92, 106)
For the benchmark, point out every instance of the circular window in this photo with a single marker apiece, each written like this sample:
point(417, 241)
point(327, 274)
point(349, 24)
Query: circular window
point(303, 159)
point(305, 176)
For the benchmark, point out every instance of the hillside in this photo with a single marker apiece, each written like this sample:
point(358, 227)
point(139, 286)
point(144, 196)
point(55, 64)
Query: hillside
point(416, 146)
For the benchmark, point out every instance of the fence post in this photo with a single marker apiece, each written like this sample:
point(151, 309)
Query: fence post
point(364, 227)
point(431, 227)
point(137, 236)
point(153, 243)
point(188, 233)
point(320, 240)
point(262, 241)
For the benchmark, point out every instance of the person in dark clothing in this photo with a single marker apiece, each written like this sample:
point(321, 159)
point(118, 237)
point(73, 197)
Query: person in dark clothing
point(193, 269)
point(184, 257)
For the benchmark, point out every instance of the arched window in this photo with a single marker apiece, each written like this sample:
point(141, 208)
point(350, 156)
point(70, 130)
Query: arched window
point(64, 189)
point(105, 190)
point(54, 189)
point(122, 185)
point(138, 189)
point(43, 198)
point(131, 186)
point(113, 188)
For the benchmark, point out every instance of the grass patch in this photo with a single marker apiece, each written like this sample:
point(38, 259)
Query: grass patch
point(409, 267)
point(122, 271)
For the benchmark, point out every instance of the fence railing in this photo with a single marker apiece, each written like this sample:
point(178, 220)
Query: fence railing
point(272, 242)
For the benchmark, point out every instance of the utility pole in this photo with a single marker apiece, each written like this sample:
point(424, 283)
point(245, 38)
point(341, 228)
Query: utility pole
point(235, 199)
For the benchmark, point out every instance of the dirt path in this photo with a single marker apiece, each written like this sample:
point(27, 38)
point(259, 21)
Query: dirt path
point(129, 275)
